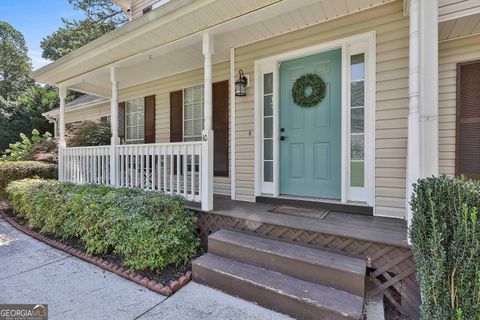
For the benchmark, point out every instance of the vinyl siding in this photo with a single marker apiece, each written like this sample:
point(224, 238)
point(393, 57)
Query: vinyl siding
point(139, 5)
point(161, 89)
point(451, 53)
point(449, 9)
point(91, 113)
point(391, 100)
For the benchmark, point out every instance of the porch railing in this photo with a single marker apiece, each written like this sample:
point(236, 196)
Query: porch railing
point(170, 168)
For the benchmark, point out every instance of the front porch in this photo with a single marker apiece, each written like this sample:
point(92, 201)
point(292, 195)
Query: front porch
point(381, 241)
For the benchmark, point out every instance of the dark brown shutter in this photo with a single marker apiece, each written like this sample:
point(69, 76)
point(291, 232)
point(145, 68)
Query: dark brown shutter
point(176, 116)
point(220, 128)
point(468, 120)
point(121, 121)
point(149, 118)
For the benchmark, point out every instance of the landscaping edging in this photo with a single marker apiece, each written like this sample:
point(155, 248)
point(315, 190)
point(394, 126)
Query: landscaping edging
point(153, 285)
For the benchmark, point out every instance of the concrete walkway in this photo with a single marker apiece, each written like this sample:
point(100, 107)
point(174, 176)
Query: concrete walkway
point(33, 272)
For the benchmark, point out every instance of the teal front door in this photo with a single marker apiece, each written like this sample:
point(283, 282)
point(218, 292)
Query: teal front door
point(310, 146)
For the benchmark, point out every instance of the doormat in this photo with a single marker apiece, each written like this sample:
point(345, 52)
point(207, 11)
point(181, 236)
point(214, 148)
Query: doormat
point(302, 212)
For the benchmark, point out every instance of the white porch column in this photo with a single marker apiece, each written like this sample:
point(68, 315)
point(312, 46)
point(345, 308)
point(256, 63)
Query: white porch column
point(422, 158)
point(62, 94)
point(429, 87)
point(114, 126)
point(207, 134)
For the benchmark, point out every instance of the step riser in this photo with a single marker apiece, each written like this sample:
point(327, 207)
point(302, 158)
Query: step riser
point(338, 279)
point(264, 297)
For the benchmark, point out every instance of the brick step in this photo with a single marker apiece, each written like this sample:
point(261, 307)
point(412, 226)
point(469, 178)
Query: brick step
point(283, 293)
point(324, 267)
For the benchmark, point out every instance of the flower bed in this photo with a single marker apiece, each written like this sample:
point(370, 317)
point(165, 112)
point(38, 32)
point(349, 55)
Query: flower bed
point(149, 233)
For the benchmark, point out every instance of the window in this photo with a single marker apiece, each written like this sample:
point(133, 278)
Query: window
point(134, 121)
point(193, 113)
point(357, 120)
point(268, 127)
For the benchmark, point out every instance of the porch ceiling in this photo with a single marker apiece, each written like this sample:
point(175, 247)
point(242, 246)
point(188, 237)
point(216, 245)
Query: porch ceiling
point(160, 44)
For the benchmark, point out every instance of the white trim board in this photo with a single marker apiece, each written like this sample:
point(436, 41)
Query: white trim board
point(350, 45)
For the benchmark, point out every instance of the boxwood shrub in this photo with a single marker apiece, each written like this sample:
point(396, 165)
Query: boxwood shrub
point(445, 237)
point(150, 230)
point(17, 170)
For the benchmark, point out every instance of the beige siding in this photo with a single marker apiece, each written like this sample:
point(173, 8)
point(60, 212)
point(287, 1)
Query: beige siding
point(392, 98)
point(161, 89)
point(139, 5)
point(92, 113)
point(450, 9)
point(451, 53)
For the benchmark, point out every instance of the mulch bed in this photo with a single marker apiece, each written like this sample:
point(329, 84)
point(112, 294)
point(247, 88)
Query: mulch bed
point(168, 282)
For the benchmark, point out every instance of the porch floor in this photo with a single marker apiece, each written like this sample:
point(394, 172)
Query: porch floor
point(389, 231)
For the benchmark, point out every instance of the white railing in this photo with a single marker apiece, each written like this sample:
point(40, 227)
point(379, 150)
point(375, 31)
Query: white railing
point(170, 168)
point(85, 165)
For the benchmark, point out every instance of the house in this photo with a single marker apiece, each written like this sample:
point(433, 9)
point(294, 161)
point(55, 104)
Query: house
point(241, 106)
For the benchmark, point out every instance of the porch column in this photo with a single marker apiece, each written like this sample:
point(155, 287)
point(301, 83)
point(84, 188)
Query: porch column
point(62, 94)
point(207, 134)
point(422, 156)
point(413, 152)
point(114, 126)
point(429, 87)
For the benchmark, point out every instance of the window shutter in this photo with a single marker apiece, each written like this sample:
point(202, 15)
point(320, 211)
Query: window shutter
point(149, 118)
point(176, 116)
point(468, 120)
point(220, 128)
point(121, 121)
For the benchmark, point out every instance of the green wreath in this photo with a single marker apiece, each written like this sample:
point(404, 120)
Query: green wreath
point(309, 80)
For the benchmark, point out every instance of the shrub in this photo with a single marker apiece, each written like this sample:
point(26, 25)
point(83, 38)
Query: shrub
point(446, 245)
point(89, 133)
point(21, 150)
point(150, 230)
point(17, 170)
point(46, 151)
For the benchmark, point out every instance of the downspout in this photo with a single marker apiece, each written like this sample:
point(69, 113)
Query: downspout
point(413, 157)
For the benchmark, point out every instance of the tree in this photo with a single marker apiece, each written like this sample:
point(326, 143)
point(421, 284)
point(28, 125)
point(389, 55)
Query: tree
point(101, 16)
point(36, 101)
point(13, 121)
point(14, 63)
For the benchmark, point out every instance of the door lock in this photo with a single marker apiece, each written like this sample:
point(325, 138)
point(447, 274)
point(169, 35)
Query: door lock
point(282, 138)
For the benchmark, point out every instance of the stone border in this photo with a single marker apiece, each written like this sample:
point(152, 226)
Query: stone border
point(153, 285)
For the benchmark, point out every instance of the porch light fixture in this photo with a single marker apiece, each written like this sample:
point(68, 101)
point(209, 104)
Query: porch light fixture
point(241, 85)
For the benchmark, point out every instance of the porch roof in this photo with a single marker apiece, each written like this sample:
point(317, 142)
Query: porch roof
point(167, 40)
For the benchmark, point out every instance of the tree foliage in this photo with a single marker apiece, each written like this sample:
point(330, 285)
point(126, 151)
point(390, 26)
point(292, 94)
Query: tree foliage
point(14, 62)
point(37, 100)
point(13, 120)
point(101, 16)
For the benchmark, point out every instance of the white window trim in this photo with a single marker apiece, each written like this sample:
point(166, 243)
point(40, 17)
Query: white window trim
point(183, 111)
point(350, 45)
point(133, 141)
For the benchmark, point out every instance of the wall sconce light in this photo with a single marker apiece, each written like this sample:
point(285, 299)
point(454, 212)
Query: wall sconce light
point(241, 85)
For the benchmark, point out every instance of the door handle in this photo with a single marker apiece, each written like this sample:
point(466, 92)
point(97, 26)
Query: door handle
point(282, 138)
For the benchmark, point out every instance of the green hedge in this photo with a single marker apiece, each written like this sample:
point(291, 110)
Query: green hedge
point(17, 170)
point(148, 229)
point(445, 237)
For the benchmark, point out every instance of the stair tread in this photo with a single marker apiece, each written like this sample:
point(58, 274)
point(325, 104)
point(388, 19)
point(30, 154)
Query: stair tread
point(349, 305)
point(311, 255)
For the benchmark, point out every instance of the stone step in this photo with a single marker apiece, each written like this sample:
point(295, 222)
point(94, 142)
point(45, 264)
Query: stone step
point(277, 291)
point(324, 267)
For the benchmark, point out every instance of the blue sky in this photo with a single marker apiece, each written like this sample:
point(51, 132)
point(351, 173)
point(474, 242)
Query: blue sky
point(36, 19)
